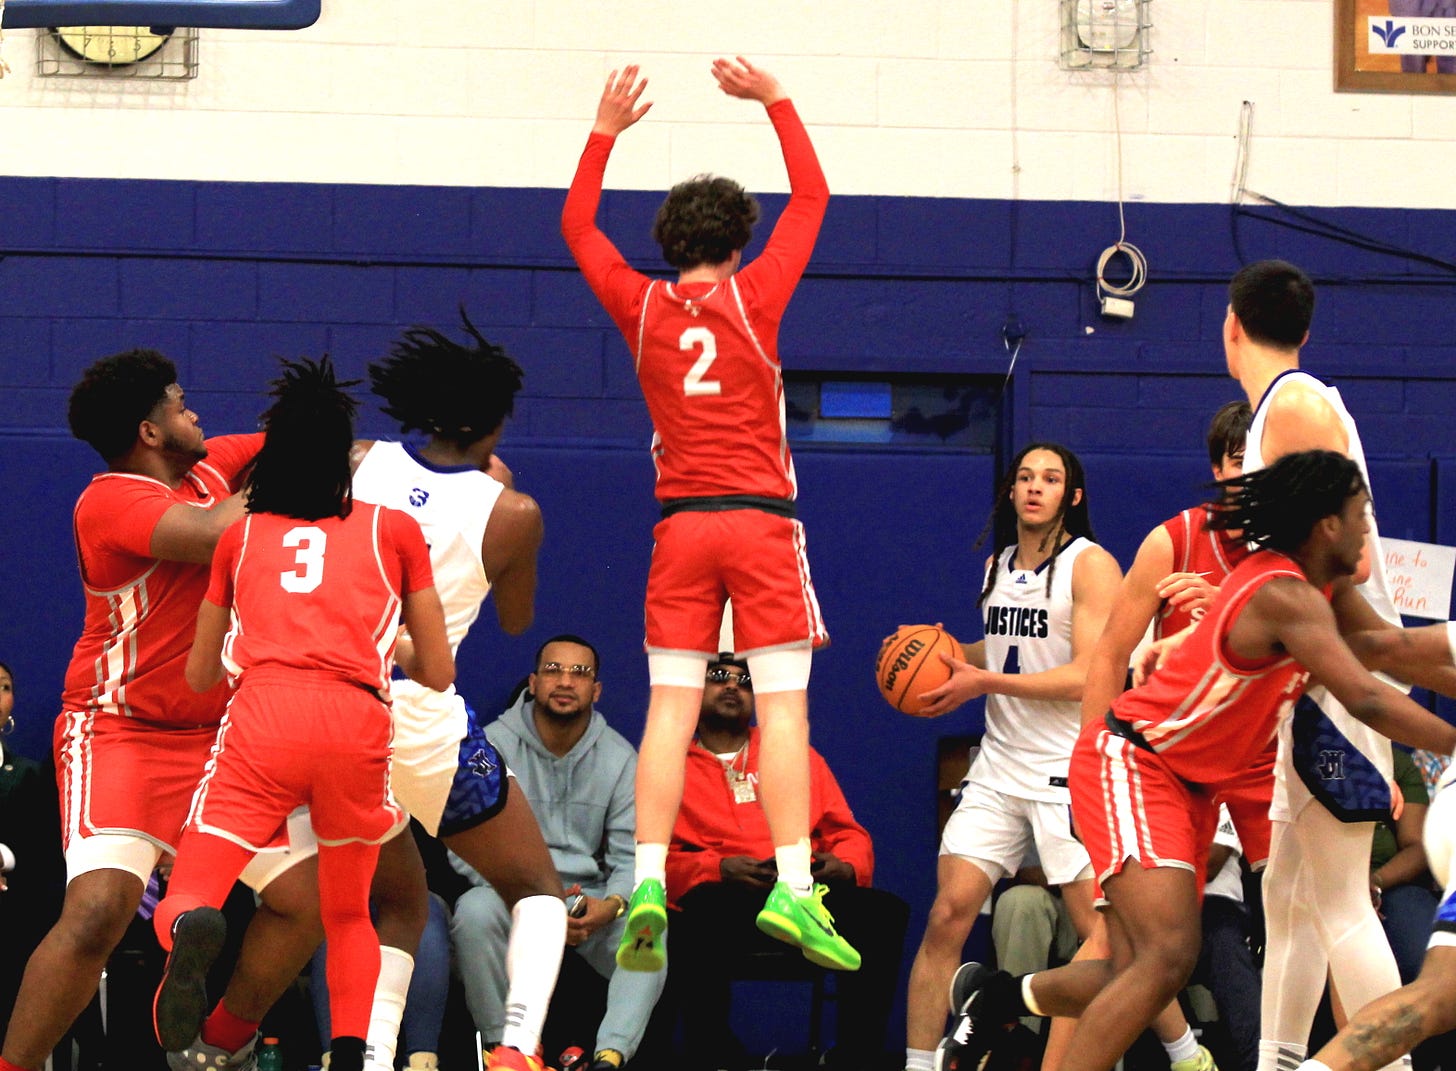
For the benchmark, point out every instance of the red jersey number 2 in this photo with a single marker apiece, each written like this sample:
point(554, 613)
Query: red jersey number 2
point(694, 384)
point(309, 556)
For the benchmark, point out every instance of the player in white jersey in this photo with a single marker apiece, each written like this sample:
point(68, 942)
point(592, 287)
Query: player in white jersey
point(483, 537)
point(1333, 774)
point(1047, 594)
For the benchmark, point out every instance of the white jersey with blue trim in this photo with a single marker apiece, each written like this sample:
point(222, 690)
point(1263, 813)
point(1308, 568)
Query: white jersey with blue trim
point(1290, 795)
point(1377, 589)
point(1028, 743)
point(452, 505)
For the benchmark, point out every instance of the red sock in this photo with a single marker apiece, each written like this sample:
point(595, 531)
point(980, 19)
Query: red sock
point(6, 1065)
point(225, 1030)
point(353, 960)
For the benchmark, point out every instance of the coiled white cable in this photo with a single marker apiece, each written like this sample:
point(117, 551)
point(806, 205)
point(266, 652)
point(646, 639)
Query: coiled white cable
point(1136, 261)
point(1138, 265)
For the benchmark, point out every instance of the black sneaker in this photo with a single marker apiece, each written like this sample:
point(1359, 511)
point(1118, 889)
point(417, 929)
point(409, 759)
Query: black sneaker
point(967, 1046)
point(181, 1001)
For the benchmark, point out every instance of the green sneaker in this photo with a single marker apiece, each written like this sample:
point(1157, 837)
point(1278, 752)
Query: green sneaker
point(642, 947)
point(1202, 1060)
point(803, 921)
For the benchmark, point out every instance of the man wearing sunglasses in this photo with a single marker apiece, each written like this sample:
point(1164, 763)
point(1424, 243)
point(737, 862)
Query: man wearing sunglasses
point(721, 863)
point(577, 772)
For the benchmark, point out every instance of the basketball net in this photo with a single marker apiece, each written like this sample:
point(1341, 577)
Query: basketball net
point(4, 67)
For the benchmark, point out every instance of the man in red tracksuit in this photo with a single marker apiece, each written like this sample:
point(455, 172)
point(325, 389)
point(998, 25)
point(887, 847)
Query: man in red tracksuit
point(721, 863)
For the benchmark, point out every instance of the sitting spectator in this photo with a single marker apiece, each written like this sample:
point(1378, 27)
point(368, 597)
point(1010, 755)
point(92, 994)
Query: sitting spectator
point(1030, 927)
point(1432, 766)
point(1226, 962)
point(721, 862)
point(17, 774)
point(1400, 884)
point(32, 869)
point(577, 772)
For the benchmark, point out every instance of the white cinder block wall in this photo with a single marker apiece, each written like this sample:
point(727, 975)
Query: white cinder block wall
point(956, 98)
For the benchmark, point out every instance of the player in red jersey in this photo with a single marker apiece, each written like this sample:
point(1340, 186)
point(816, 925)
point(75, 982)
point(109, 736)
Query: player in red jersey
point(1144, 783)
point(132, 739)
point(1174, 577)
point(303, 605)
point(1171, 583)
point(706, 353)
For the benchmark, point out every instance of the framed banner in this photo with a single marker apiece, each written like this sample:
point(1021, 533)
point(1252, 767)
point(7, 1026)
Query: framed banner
point(1395, 46)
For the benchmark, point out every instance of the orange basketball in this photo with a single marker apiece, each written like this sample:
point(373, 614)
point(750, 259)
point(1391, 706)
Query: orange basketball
point(909, 664)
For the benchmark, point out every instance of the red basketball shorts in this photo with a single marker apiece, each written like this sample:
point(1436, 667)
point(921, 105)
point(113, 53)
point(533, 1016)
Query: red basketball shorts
point(1127, 804)
point(119, 775)
point(286, 743)
point(1247, 798)
point(756, 558)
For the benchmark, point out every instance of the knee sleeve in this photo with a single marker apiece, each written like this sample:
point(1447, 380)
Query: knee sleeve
point(1294, 960)
point(677, 670)
point(781, 671)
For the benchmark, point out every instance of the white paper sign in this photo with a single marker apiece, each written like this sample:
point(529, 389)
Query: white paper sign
point(1420, 577)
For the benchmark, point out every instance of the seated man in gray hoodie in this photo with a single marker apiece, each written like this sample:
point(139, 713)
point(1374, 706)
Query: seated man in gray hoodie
point(577, 772)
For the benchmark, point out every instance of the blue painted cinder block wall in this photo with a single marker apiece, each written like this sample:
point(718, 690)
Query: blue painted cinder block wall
point(222, 277)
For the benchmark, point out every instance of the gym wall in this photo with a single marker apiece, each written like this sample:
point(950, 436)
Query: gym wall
point(321, 190)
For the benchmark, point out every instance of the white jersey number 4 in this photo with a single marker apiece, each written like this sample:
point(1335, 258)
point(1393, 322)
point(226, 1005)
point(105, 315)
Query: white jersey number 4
point(693, 383)
point(310, 542)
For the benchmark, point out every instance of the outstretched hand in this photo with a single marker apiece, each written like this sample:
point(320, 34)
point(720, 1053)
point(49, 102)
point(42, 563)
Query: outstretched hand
point(739, 78)
point(618, 108)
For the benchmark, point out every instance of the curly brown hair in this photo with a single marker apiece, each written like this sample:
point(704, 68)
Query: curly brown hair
point(704, 220)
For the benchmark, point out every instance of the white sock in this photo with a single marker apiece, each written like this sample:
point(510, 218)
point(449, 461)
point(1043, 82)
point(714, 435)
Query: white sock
point(395, 968)
point(1185, 1048)
point(1281, 1055)
point(1313, 1065)
point(651, 862)
point(533, 956)
point(795, 862)
point(919, 1060)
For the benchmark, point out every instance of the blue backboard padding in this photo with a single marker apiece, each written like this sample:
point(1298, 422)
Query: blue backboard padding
point(226, 14)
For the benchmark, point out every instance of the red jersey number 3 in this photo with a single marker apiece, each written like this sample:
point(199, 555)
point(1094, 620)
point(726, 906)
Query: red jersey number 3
point(310, 542)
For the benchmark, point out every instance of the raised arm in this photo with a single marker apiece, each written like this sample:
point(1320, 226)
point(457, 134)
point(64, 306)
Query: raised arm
point(607, 271)
point(774, 272)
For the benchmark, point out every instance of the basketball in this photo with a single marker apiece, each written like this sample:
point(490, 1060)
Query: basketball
point(909, 664)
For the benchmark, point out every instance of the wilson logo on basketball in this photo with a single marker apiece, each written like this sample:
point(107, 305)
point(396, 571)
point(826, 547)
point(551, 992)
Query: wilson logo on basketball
point(902, 663)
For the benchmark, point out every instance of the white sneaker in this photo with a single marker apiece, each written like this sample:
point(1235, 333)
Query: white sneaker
point(200, 1056)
